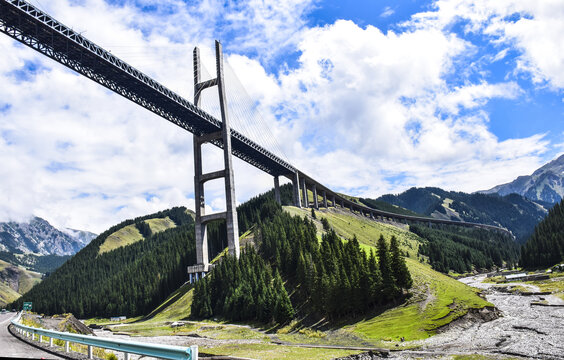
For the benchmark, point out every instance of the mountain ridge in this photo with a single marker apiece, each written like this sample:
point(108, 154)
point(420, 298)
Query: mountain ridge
point(38, 236)
point(513, 212)
point(544, 184)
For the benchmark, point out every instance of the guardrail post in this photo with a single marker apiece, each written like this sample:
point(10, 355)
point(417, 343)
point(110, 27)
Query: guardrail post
point(33, 337)
point(194, 349)
point(90, 351)
point(40, 339)
point(51, 342)
point(125, 356)
point(67, 346)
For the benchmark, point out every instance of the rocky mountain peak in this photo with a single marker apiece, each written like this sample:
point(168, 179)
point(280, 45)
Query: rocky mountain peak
point(544, 184)
point(39, 237)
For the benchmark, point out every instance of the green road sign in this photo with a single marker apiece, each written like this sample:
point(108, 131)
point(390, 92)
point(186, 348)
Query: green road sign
point(27, 306)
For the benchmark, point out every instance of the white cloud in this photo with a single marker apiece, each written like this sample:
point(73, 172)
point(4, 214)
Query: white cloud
point(363, 111)
point(532, 27)
point(388, 11)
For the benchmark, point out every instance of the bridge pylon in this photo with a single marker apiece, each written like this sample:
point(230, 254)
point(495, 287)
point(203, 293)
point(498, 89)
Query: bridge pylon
point(224, 135)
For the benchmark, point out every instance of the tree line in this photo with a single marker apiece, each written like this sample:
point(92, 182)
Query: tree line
point(464, 249)
point(546, 246)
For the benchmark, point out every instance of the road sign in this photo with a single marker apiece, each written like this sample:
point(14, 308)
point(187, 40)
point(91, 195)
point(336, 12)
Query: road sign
point(27, 306)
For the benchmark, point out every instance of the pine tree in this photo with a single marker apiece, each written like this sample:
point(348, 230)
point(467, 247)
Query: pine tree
point(398, 266)
point(389, 287)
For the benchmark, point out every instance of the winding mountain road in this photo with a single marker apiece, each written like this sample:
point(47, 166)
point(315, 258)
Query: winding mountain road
point(11, 347)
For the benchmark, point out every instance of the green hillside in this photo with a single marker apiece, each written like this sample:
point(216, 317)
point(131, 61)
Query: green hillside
point(15, 281)
point(130, 234)
point(436, 300)
point(126, 279)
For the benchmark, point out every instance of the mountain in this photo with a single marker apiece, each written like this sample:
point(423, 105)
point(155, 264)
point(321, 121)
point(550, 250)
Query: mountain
point(546, 246)
point(15, 281)
point(513, 212)
point(39, 237)
point(80, 236)
point(545, 184)
point(126, 270)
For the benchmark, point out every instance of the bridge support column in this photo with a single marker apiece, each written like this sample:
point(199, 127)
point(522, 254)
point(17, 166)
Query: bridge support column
point(314, 191)
point(296, 188)
point(304, 191)
point(325, 199)
point(333, 201)
point(277, 190)
point(372, 215)
point(230, 215)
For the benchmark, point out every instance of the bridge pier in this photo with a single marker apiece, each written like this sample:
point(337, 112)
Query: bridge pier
point(315, 202)
point(304, 190)
point(277, 190)
point(325, 199)
point(296, 189)
point(230, 215)
point(334, 202)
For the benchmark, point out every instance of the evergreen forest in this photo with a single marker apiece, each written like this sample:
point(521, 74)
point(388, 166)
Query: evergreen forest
point(546, 246)
point(130, 280)
point(329, 279)
point(462, 250)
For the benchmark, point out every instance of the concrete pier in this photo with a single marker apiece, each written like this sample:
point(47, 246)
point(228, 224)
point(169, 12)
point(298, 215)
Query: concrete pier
point(314, 191)
point(230, 215)
point(296, 190)
point(277, 190)
point(305, 200)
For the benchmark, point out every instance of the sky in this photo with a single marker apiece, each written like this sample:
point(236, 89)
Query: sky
point(367, 97)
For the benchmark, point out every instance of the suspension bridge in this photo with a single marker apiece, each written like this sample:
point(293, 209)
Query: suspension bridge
point(41, 32)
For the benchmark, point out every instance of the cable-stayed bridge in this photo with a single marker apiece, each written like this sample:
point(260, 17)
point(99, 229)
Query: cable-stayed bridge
point(34, 28)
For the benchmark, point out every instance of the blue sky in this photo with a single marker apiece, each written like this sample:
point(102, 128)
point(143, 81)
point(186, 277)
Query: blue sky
point(369, 97)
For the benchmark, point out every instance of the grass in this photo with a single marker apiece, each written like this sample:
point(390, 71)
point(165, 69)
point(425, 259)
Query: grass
point(176, 306)
point(555, 285)
point(444, 300)
point(159, 224)
point(26, 280)
point(129, 234)
point(270, 351)
point(125, 236)
point(367, 231)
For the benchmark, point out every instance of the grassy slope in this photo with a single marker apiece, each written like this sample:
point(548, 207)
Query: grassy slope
point(129, 234)
point(158, 225)
point(27, 279)
point(438, 300)
point(125, 236)
point(7, 294)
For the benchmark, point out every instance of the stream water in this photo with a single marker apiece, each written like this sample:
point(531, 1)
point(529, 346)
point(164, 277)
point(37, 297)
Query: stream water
point(525, 330)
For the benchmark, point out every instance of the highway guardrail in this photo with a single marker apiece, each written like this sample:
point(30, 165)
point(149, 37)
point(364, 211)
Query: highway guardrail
point(127, 347)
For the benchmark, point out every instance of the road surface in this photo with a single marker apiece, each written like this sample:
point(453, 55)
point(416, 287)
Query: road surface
point(12, 347)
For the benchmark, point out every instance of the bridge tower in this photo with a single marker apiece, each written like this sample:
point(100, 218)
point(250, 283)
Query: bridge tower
point(230, 215)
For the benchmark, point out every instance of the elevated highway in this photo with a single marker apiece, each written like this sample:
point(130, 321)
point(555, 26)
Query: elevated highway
point(36, 29)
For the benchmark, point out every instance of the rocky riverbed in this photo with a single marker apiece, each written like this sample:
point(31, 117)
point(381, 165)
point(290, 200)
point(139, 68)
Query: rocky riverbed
point(523, 329)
